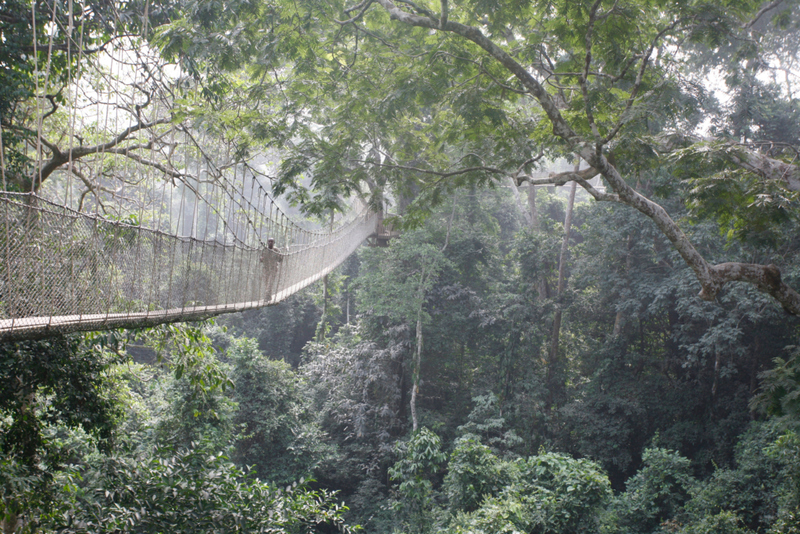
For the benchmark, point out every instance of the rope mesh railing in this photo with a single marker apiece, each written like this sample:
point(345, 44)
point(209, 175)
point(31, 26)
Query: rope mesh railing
point(66, 271)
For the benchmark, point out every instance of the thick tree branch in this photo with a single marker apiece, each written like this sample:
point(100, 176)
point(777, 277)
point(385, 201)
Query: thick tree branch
point(560, 126)
point(59, 158)
point(485, 72)
point(766, 8)
point(766, 277)
point(600, 196)
point(562, 178)
point(770, 169)
point(172, 173)
point(440, 174)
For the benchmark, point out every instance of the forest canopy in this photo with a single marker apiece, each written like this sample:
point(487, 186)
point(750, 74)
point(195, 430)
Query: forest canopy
point(587, 324)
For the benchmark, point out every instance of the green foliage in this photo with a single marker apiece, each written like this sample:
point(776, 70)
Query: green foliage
point(759, 493)
point(279, 437)
point(57, 381)
point(357, 398)
point(746, 207)
point(420, 460)
point(432, 101)
point(23, 492)
point(786, 450)
point(192, 490)
point(483, 391)
point(654, 495)
point(58, 403)
point(189, 404)
point(196, 489)
point(377, 104)
point(397, 279)
point(486, 422)
point(281, 330)
point(653, 357)
point(779, 394)
point(722, 523)
point(182, 416)
point(473, 473)
point(548, 493)
point(190, 353)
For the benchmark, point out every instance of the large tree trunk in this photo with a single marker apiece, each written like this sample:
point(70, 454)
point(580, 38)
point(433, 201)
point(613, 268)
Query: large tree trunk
point(10, 523)
point(541, 284)
point(416, 372)
point(417, 361)
point(322, 327)
point(552, 359)
point(619, 320)
point(532, 209)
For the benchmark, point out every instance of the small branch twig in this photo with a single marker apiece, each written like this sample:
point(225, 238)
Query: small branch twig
point(362, 7)
point(638, 83)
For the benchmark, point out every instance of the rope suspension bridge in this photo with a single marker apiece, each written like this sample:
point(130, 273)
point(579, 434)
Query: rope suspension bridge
point(118, 210)
point(67, 271)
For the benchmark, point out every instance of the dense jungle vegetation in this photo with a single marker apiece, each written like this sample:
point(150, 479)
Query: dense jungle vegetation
point(525, 357)
point(659, 413)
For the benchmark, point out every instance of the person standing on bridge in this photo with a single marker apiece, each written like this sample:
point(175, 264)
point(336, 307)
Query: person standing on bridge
point(271, 258)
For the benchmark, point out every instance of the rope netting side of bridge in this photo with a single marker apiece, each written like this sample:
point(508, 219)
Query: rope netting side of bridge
point(64, 271)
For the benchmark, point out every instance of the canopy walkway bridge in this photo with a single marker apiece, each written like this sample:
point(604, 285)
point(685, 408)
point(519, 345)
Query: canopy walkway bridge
point(125, 204)
point(64, 271)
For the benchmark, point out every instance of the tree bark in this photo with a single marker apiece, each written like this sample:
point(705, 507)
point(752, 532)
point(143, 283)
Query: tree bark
point(323, 321)
point(417, 362)
point(619, 319)
point(552, 359)
point(770, 169)
point(416, 372)
point(542, 288)
point(532, 207)
point(10, 523)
